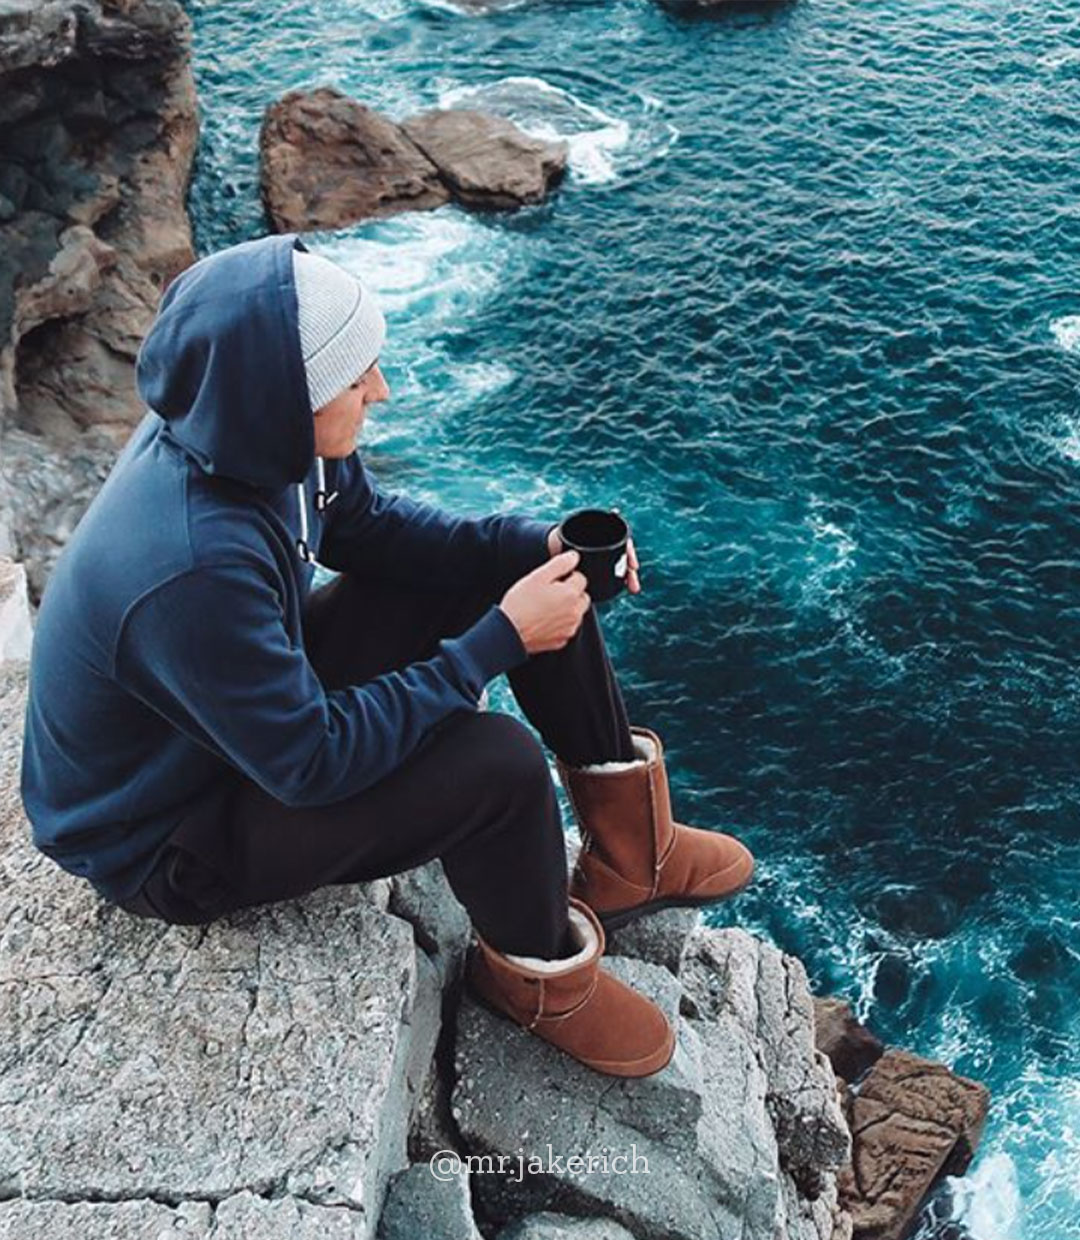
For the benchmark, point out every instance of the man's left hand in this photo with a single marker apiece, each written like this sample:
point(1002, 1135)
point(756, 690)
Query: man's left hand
point(633, 583)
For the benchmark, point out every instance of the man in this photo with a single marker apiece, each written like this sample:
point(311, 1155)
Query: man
point(205, 733)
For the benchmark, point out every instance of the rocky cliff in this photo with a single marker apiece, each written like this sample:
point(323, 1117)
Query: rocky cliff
point(96, 147)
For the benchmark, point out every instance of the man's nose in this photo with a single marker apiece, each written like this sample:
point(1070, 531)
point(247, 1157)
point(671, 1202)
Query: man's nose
point(382, 389)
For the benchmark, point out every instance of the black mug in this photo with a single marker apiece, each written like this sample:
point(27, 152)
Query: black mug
point(599, 537)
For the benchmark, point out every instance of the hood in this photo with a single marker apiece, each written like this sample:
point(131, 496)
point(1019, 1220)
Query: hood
point(222, 365)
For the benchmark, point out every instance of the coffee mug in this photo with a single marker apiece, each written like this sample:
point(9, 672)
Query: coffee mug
point(599, 537)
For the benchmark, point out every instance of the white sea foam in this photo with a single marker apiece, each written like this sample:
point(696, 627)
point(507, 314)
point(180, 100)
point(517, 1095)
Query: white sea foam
point(483, 378)
point(829, 555)
point(1066, 332)
point(987, 1200)
point(430, 265)
point(472, 8)
point(601, 146)
point(1060, 59)
point(383, 10)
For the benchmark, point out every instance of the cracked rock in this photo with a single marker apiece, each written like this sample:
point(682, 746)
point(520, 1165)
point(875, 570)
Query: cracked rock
point(269, 1052)
point(912, 1121)
point(420, 1204)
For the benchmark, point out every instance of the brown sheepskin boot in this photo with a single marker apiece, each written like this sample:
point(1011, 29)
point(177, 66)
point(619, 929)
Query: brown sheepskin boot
point(575, 1004)
point(634, 858)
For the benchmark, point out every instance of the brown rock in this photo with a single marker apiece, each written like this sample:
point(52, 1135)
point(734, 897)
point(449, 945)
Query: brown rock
point(851, 1048)
point(912, 1121)
point(328, 161)
point(485, 160)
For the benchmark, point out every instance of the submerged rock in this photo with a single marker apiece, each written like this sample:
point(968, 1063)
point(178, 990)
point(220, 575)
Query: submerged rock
point(329, 161)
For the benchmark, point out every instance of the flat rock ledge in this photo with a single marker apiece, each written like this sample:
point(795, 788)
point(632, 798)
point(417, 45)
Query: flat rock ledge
point(329, 161)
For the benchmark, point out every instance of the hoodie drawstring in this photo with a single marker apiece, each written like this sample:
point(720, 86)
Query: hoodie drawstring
point(322, 502)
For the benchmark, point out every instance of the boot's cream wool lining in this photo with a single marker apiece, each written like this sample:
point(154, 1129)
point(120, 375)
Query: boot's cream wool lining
point(581, 929)
point(642, 744)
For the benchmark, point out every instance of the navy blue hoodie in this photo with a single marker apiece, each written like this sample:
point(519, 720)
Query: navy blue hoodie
point(168, 647)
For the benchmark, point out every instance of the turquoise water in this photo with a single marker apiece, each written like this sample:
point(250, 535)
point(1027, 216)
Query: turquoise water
point(808, 310)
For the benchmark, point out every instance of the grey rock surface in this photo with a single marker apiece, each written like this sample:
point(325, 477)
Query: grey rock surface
point(274, 1051)
point(549, 1226)
point(764, 994)
point(104, 1220)
point(419, 1203)
point(424, 899)
point(660, 937)
point(243, 1216)
point(727, 1130)
point(16, 632)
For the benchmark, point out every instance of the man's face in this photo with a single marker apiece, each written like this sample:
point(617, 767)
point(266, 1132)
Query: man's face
point(339, 421)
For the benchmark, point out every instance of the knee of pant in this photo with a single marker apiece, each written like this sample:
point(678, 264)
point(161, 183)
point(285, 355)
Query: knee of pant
point(509, 756)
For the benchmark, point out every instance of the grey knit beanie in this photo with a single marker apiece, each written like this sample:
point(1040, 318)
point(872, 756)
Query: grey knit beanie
point(341, 326)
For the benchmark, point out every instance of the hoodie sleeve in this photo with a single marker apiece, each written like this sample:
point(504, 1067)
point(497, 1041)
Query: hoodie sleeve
point(399, 539)
point(209, 651)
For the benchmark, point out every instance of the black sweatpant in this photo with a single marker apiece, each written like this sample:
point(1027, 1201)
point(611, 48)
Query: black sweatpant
point(476, 792)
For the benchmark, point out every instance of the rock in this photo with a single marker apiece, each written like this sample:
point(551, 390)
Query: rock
point(95, 156)
point(851, 1048)
point(912, 1121)
point(51, 486)
point(16, 633)
point(420, 1204)
point(726, 1130)
point(270, 1051)
point(36, 33)
point(423, 897)
point(114, 1220)
point(243, 1216)
point(658, 937)
point(486, 161)
point(329, 161)
point(563, 1227)
point(731, 975)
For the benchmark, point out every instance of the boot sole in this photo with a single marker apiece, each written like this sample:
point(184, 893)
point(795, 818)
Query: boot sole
point(623, 917)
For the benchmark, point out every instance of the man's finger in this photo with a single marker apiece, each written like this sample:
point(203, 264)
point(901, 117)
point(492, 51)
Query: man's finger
point(558, 566)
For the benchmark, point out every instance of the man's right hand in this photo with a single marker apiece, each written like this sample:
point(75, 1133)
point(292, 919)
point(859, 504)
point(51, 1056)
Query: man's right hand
point(545, 611)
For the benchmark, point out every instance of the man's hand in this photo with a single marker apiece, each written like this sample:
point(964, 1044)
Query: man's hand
point(633, 583)
point(545, 611)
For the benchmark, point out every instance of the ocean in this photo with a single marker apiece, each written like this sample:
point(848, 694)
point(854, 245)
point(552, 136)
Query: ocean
point(807, 310)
